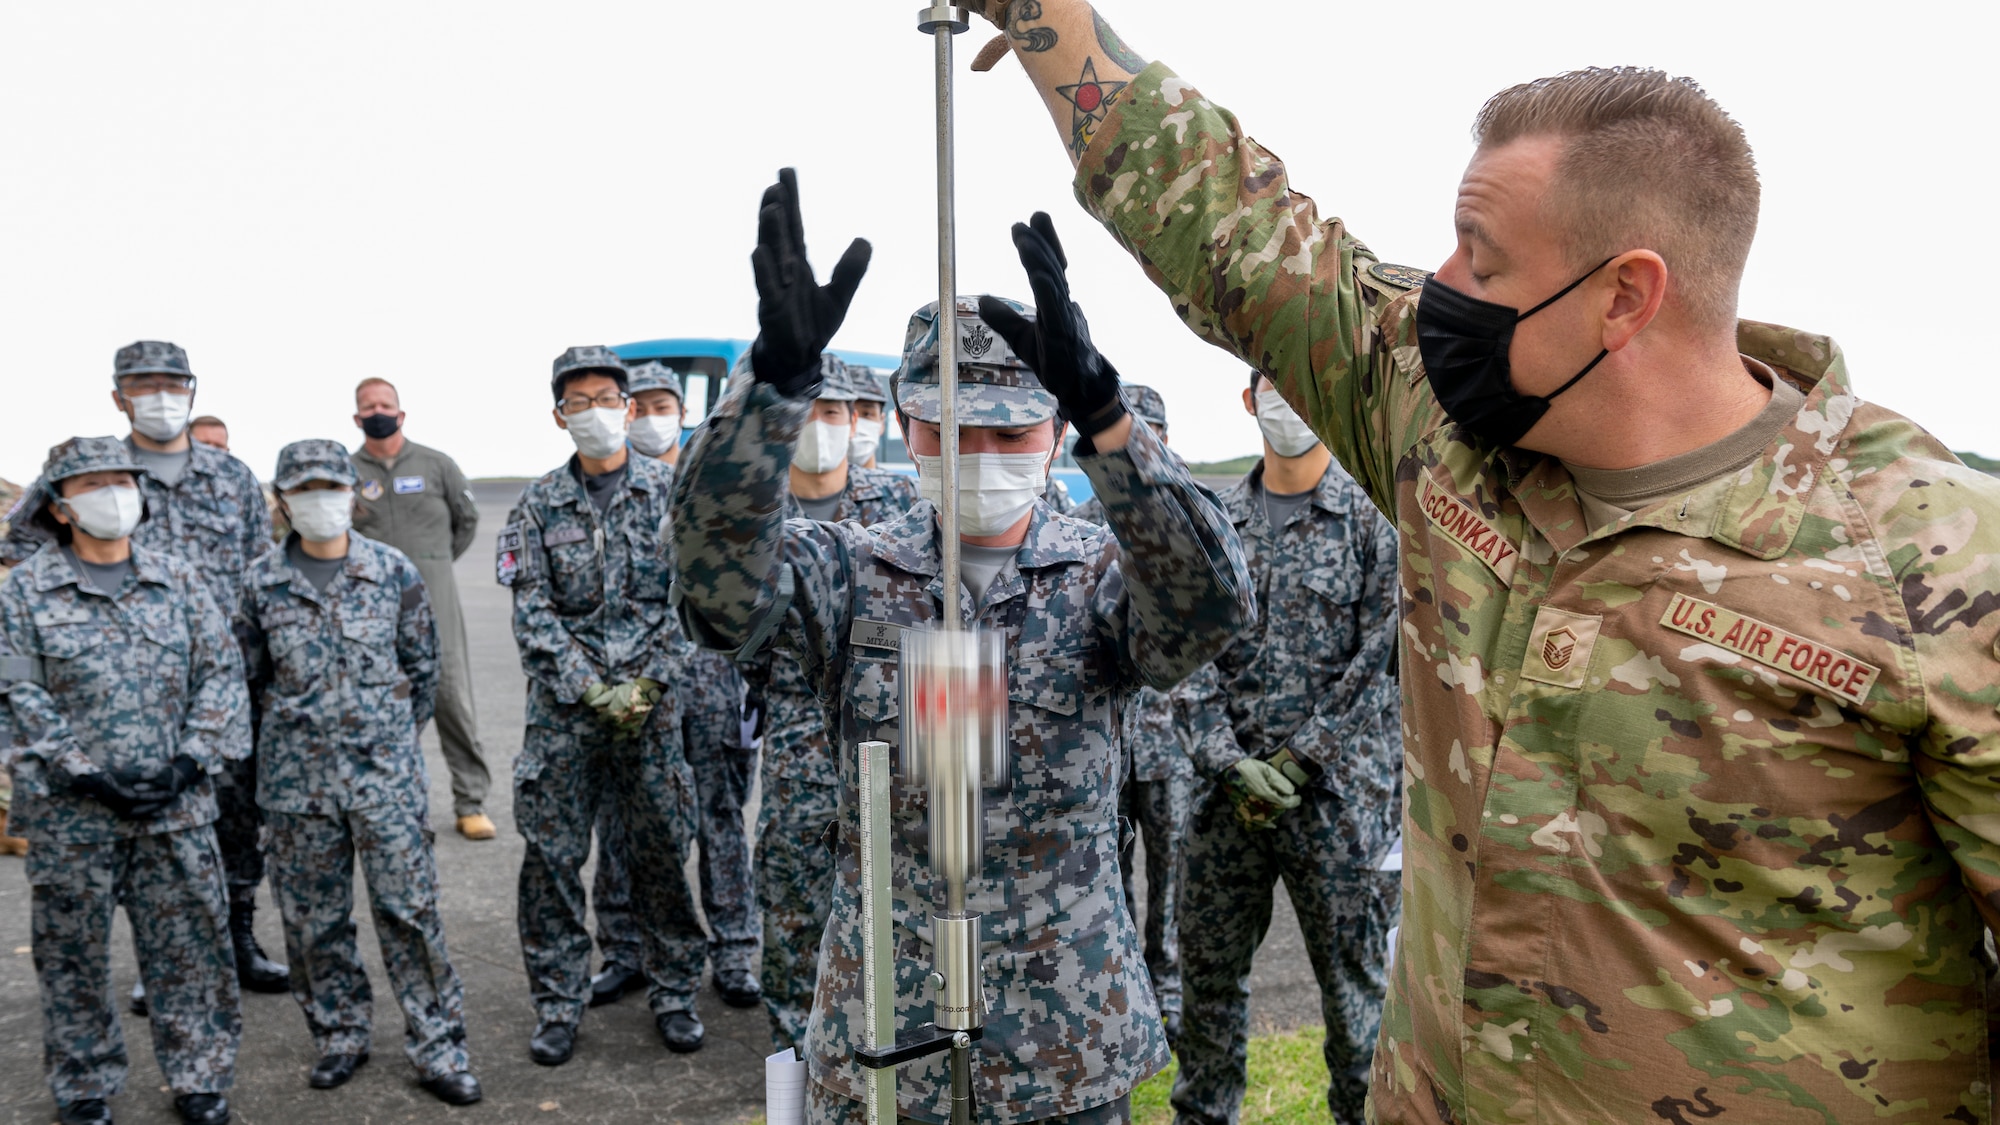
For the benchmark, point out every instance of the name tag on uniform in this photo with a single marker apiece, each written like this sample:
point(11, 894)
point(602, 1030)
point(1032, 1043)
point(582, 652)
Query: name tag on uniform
point(876, 634)
point(1463, 525)
point(1829, 668)
point(563, 535)
point(48, 617)
point(406, 485)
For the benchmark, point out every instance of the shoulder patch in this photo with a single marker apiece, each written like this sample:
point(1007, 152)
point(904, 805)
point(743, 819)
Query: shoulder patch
point(1403, 277)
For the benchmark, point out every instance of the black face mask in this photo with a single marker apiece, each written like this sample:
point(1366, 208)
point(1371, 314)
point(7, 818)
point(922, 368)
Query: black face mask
point(379, 426)
point(1464, 343)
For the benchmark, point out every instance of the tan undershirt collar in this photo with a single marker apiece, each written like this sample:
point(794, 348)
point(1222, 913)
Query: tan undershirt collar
point(1609, 495)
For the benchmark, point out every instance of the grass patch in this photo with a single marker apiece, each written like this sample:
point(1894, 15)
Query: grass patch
point(1287, 1083)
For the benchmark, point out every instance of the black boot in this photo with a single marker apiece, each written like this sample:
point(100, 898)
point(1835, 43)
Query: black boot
point(254, 971)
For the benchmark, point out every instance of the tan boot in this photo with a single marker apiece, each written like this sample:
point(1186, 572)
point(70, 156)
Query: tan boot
point(476, 827)
point(10, 845)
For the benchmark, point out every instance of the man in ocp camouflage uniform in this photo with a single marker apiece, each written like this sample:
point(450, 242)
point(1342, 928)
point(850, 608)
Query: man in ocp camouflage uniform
point(1072, 1025)
point(344, 668)
point(1698, 653)
point(119, 687)
point(711, 695)
point(1296, 728)
point(587, 553)
point(801, 793)
point(1156, 798)
point(207, 508)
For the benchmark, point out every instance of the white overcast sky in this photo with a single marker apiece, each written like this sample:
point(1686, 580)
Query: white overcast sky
point(447, 194)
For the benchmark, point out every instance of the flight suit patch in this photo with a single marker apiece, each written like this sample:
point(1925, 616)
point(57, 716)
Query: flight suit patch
point(1560, 646)
point(1463, 525)
point(371, 490)
point(1825, 668)
point(407, 485)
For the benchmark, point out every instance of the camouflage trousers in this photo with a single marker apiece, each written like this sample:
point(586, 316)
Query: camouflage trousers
point(824, 1107)
point(562, 779)
point(1158, 811)
point(239, 824)
point(1345, 913)
point(312, 879)
point(170, 884)
point(795, 891)
point(711, 700)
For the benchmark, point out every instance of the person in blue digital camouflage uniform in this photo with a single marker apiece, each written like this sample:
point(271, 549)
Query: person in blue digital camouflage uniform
point(120, 687)
point(344, 669)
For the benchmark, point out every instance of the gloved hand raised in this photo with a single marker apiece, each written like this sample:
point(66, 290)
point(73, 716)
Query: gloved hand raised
point(1259, 792)
point(1057, 342)
point(796, 315)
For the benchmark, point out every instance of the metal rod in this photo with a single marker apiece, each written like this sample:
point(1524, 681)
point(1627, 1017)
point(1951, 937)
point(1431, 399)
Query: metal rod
point(878, 947)
point(963, 1111)
point(947, 221)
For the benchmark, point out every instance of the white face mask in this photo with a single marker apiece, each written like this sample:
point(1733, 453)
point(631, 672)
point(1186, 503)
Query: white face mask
point(597, 432)
point(822, 447)
point(106, 513)
point(867, 439)
point(994, 489)
point(322, 514)
point(654, 434)
point(161, 416)
point(1283, 428)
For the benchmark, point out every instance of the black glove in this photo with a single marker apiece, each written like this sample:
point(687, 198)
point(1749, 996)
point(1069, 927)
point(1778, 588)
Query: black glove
point(1057, 342)
point(107, 790)
point(153, 787)
point(796, 315)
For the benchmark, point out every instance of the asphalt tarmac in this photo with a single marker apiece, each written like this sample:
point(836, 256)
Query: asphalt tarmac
point(621, 1072)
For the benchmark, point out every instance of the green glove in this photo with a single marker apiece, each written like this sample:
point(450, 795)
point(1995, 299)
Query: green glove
point(1288, 764)
point(1259, 791)
point(630, 702)
point(596, 695)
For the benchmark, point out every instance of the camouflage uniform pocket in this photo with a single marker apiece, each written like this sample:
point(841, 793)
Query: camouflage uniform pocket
point(76, 869)
point(371, 646)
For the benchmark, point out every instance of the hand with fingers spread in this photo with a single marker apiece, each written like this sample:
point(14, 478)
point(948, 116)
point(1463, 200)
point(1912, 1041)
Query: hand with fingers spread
point(1057, 342)
point(796, 315)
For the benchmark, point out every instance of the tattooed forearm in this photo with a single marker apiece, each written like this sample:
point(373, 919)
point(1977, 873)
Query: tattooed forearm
point(1035, 39)
point(1115, 47)
point(1090, 100)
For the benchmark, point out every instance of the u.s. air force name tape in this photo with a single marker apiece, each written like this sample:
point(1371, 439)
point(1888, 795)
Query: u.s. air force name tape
point(1846, 676)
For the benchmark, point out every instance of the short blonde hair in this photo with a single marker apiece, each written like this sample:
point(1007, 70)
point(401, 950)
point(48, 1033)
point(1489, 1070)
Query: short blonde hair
point(1649, 162)
point(377, 381)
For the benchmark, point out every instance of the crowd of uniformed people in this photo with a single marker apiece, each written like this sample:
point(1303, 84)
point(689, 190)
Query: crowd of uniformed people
point(189, 704)
point(194, 701)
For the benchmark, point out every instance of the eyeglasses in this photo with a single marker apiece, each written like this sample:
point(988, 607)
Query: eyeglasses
point(609, 400)
point(139, 386)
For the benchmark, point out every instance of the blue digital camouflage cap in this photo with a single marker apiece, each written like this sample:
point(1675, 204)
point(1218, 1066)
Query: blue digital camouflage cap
point(80, 455)
point(588, 360)
point(652, 375)
point(836, 379)
point(1146, 404)
point(150, 357)
point(313, 459)
point(995, 387)
point(869, 386)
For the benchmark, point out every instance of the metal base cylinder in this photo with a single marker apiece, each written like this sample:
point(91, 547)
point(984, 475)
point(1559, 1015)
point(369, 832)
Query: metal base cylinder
point(960, 1006)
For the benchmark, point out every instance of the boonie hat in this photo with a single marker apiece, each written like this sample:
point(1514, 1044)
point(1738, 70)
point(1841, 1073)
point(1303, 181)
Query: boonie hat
point(584, 360)
point(652, 375)
point(995, 386)
point(313, 459)
point(1145, 404)
point(150, 357)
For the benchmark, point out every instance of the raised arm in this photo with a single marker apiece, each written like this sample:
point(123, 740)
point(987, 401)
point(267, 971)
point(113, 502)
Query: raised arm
point(1077, 63)
point(1246, 261)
